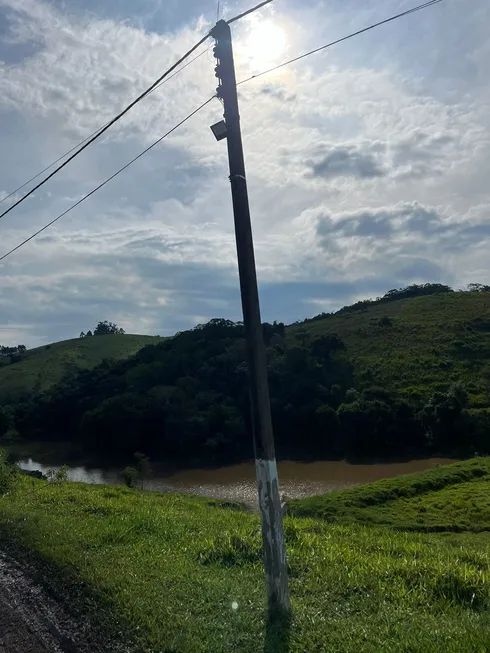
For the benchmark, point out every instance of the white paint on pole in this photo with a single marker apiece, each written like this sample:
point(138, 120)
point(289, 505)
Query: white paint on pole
point(272, 532)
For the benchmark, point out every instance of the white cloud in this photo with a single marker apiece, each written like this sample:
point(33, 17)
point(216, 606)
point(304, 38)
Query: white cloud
point(367, 168)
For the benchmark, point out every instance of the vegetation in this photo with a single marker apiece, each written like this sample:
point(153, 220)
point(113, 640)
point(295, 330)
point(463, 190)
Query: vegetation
point(405, 375)
point(42, 367)
point(433, 341)
point(8, 474)
point(181, 574)
point(137, 474)
point(104, 328)
point(450, 498)
point(7, 354)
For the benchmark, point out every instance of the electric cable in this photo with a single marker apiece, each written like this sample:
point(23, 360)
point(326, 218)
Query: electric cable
point(344, 38)
point(94, 190)
point(107, 126)
point(167, 79)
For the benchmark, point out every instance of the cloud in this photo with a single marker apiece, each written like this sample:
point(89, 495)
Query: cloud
point(7, 199)
point(415, 155)
point(277, 92)
point(410, 218)
point(411, 242)
point(367, 163)
point(346, 161)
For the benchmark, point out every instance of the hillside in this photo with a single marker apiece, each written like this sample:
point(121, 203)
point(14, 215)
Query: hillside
point(400, 377)
point(42, 367)
point(175, 573)
point(413, 346)
point(432, 341)
point(450, 498)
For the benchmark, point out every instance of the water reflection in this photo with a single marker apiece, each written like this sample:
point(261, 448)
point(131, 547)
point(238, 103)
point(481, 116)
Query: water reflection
point(237, 482)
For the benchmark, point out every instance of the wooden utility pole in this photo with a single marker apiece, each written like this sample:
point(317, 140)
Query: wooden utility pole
point(265, 457)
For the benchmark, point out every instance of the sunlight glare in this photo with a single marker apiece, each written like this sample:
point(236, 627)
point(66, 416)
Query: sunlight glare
point(265, 44)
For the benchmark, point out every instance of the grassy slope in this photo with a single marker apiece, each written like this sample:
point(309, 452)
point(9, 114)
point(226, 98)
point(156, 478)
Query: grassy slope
point(450, 498)
point(434, 341)
point(45, 366)
point(167, 569)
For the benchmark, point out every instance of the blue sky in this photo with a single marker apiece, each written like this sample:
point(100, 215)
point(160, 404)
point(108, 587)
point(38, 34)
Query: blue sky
point(367, 163)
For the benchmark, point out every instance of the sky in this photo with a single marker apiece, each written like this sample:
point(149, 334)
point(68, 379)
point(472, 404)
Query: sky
point(367, 163)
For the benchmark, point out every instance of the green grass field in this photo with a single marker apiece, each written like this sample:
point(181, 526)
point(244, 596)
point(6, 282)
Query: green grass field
point(182, 574)
point(449, 498)
point(433, 341)
point(44, 366)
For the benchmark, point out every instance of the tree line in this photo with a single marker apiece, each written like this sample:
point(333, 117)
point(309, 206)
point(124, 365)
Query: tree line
point(104, 328)
point(9, 351)
point(187, 398)
point(414, 290)
point(9, 355)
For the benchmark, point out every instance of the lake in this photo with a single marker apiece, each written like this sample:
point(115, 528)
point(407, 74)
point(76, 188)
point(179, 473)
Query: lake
point(237, 482)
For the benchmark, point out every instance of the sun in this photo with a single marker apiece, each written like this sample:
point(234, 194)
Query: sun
point(264, 45)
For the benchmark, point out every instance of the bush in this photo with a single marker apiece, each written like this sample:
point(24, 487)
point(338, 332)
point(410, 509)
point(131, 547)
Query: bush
point(8, 473)
point(385, 321)
point(59, 475)
point(130, 476)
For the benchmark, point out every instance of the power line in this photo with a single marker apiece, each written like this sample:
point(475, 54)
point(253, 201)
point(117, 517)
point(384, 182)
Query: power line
point(249, 11)
point(106, 127)
point(157, 83)
point(167, 79)
point(95, 135)
point(344, 38)
point(94, 190)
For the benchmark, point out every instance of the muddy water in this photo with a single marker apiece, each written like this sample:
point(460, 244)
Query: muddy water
point(237, 482)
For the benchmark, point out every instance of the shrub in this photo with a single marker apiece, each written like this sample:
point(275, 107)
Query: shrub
point(385, 321)
point(58, 475)
point(8, 473)
point(130, 476)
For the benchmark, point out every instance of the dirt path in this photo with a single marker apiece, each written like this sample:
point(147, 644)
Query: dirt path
point(31, 621)
point(15, 635)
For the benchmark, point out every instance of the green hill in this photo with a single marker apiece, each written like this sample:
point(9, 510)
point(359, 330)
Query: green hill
point(419, 345)
point(450, 498)
point(406, 375)
point(42, 367)
point(414, 346)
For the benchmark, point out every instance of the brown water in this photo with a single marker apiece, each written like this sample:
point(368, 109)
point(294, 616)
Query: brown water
point(237, 482)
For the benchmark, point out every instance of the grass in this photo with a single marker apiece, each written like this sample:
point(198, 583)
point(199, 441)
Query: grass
point(450, 498)
point(433, 341)
point(44, 366)
point(165, 571)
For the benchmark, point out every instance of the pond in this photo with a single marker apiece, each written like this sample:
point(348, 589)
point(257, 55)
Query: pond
point(237, 482)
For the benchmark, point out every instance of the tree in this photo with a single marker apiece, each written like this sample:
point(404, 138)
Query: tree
point(143, 467)
point(445, 419)
point(130, 476)
point(5, 420)
point(82, 334)
point(89, 333)
point(12, 351)
point(107, 328)
point(478, 287)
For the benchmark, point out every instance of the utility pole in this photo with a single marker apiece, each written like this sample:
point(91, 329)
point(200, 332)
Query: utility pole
point(265, 457)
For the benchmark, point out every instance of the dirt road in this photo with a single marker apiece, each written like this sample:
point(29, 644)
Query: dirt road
point(31, 621)
point(15, 634)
